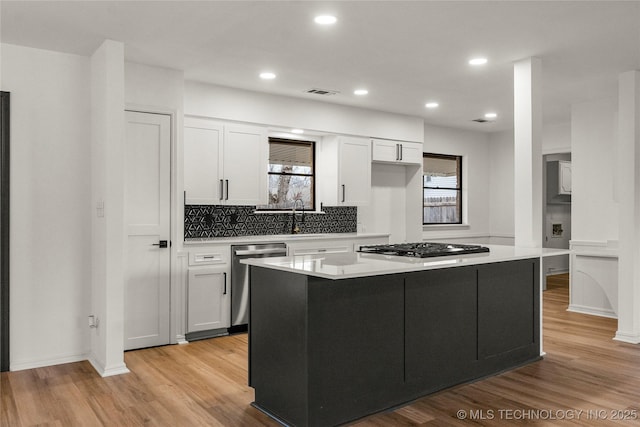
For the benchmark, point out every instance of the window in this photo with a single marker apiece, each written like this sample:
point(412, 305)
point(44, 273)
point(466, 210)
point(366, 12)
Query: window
point(291, 174)
point(442, 189)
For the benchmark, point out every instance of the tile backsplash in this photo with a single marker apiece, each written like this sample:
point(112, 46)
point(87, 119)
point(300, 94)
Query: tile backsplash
point(207, 221)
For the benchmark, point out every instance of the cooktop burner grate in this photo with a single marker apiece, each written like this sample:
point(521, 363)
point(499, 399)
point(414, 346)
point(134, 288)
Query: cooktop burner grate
point(423, 249)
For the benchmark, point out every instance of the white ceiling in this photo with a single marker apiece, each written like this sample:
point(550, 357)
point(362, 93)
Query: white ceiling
point(405, 52)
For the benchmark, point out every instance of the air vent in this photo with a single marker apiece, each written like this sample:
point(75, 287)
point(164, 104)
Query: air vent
point(323, 92)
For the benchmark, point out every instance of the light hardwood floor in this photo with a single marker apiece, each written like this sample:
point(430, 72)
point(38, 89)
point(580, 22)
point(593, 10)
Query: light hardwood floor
point(204, 383)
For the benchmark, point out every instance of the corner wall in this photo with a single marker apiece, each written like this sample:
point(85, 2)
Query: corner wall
point(107, 178)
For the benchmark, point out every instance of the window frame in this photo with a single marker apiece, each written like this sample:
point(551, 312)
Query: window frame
point(312, 175)
point(459, 188)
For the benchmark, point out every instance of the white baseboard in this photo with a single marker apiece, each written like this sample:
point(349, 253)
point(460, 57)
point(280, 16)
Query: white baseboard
point(629, 337)
point(110, 371)
point(32, 364)
point(592, 311)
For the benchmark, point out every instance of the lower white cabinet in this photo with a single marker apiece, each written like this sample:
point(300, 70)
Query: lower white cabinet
point(208, 299)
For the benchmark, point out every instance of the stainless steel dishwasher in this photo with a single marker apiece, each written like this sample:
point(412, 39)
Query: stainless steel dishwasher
point(240, 279)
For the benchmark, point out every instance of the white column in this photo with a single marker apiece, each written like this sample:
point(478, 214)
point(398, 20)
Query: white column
point(527, 121)
point(628, 191)
point(107, 187)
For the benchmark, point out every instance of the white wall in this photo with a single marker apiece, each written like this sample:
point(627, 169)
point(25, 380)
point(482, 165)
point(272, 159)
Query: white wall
point(593, 158)
point(241, 105)
point(556, 138)
point(50, 205)
point(394, 191)
point(475, 149)
point(501, 175)
point(594, 209)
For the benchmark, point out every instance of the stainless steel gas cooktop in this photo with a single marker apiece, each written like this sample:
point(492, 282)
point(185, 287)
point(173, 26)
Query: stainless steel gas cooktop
point(423, 249)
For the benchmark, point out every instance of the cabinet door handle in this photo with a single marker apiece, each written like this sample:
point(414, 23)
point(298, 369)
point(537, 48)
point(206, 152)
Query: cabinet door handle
point(343, 193)
point(225, 284)
point(226, 183)
point(397, 151)
point(400, 151)
point(221, 190)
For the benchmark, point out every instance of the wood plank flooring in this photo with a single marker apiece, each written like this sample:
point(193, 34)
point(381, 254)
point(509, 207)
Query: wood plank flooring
point(204, 384)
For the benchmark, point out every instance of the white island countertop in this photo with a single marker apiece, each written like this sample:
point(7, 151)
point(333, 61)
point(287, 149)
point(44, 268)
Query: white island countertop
point(349, 265)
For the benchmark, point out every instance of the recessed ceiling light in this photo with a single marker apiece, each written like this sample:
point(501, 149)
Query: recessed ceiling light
point(478, 61)
point(298, 131)
point(325, 19)
point(267, 75)
point(490, 116)
point(360, 92)
point(431, 105)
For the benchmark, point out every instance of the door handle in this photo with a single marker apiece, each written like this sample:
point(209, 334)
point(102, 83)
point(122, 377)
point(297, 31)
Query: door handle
point(226, 182)
point(400, 151)
point(161, 243)
point(397, 151)
point(221, 190)
point(343, 193)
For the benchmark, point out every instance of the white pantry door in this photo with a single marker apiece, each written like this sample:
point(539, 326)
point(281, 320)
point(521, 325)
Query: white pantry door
point(147, 222)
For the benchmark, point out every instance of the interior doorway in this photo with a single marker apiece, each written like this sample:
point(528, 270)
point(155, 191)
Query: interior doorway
point(4, 231)
point(557, 211)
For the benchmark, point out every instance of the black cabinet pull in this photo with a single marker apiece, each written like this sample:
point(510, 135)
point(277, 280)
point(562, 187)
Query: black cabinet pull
point(225, 284)
point(221, 190)
point(226, 197)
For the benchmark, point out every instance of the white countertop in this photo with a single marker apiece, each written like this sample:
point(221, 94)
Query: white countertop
point(349, 265)
point(287, 238)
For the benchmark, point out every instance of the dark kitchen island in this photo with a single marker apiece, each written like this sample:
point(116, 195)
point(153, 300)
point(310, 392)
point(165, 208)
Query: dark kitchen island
point(333, 338)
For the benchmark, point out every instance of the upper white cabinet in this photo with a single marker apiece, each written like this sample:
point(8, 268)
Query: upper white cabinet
point(224, 163)
point(344, 171)
point(400, 152)
point(559, 181)
point(564, 173)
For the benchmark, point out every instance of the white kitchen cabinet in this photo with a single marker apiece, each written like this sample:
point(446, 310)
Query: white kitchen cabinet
point(344, 171)
point(224, 163)
point(208, 302)
point(559, 182)
point(564, 180)
point(398, 152)
point(208, 291)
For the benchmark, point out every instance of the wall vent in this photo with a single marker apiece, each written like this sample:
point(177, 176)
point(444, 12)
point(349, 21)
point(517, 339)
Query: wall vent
point(323, 92)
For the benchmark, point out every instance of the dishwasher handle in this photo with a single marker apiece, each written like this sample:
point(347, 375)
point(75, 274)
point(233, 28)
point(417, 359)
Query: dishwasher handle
point(249, 252)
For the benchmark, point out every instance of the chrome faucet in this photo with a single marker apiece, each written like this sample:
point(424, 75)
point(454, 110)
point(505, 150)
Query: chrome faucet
point(294, 227)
